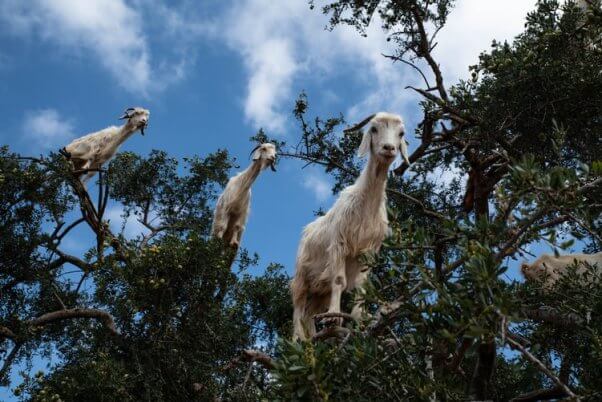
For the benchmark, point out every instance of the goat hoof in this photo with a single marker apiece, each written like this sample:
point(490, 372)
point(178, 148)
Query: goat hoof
point(332, 321)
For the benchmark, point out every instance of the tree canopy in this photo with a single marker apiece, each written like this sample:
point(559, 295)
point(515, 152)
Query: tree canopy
point(173, 315)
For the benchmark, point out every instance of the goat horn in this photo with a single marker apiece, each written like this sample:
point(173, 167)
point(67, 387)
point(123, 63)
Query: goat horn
point(127, 114)
point(360, 124)
point(254, 149)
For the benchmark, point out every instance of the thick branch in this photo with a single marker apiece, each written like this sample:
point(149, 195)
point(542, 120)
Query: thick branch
point(553, 316)
point(251, 355)
point(102, 316)
point(9, 361)
point(541, 395)
point(7, 333)
point(481, 378)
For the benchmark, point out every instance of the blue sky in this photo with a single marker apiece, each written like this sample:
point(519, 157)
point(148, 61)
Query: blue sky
point(212, 73)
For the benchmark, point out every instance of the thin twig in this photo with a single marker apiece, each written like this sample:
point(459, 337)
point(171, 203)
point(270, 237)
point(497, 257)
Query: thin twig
point(510, 339)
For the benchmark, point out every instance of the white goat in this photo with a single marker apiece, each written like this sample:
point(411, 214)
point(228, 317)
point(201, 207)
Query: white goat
point(549, 268)
point(328, 257)
point(92, 150)
point(232, 209)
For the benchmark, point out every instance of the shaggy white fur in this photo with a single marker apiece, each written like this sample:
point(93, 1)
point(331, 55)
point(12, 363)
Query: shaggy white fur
point(328, 256)
point(233, 206)
point(549, 268)
point(92, 150)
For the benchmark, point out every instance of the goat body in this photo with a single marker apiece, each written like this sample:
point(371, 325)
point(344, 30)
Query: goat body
point(548, 269)
point(233, 205)
point(93, 150)
point(328, 260)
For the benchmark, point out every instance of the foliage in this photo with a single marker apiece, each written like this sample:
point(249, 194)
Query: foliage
point(165, 317)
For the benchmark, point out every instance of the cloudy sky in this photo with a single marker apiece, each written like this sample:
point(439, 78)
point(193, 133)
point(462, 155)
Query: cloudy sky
point(212, 73)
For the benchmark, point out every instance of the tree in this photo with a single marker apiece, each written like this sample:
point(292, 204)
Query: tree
point(165, 317)
point(525, 131)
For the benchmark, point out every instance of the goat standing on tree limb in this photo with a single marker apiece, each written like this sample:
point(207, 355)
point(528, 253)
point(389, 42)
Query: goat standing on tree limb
point(89, 152)
point(233, 206)
point(328, 257)
point(548, 269)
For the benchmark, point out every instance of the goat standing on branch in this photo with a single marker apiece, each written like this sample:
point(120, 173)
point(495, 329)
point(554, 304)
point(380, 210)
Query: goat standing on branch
point(233, 206)
point(328, 258)
point(89, 152)
point(548, 269)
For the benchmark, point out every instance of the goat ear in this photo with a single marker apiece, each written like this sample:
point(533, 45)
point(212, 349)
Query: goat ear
point(365, 145)
point(403, 147)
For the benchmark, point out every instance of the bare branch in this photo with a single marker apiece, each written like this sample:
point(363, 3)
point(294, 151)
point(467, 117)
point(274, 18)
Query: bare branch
point(553, 316)
point(9, 361)
point(7, 333)
point(541, 395)
point(60, 315)
point(511, 340)
point(425, 52)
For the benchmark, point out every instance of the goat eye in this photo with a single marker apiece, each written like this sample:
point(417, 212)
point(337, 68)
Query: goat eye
point(373, 130)
point(401, 133)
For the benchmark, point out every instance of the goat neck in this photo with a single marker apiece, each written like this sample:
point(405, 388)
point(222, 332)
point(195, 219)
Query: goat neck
point(249, 175)
point(373, 179)
point(125, 132)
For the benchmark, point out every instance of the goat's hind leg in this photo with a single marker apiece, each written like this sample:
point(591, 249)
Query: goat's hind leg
point(220, 225)
point(358, 311)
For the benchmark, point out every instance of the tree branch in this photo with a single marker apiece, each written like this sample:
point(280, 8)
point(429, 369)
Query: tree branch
point(511, 340)
point(9, 361)
point(553, 316)
point(102, 316)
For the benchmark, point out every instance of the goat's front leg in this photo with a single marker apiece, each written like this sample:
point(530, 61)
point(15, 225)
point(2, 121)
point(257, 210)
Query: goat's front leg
point(238, 228)
point(336, 268)
point(87, 175)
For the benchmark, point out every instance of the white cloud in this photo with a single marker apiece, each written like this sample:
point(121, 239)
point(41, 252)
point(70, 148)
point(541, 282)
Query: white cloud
point(47, 128)
point(281, 41)
point(318, 184)
point(111, 30)
point(444, 176)
point(273, 67)
point(471, 27)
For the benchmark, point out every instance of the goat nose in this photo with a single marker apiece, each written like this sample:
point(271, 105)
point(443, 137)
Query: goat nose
point(389, 147)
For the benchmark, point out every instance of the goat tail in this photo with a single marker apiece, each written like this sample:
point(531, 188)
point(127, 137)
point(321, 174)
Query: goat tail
point(303, 325)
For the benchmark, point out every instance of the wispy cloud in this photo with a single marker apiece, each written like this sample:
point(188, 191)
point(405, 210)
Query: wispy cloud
point(47, 128)
point(317, 183)
point(282, 42)
point(112, 31)
point(471, 27)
